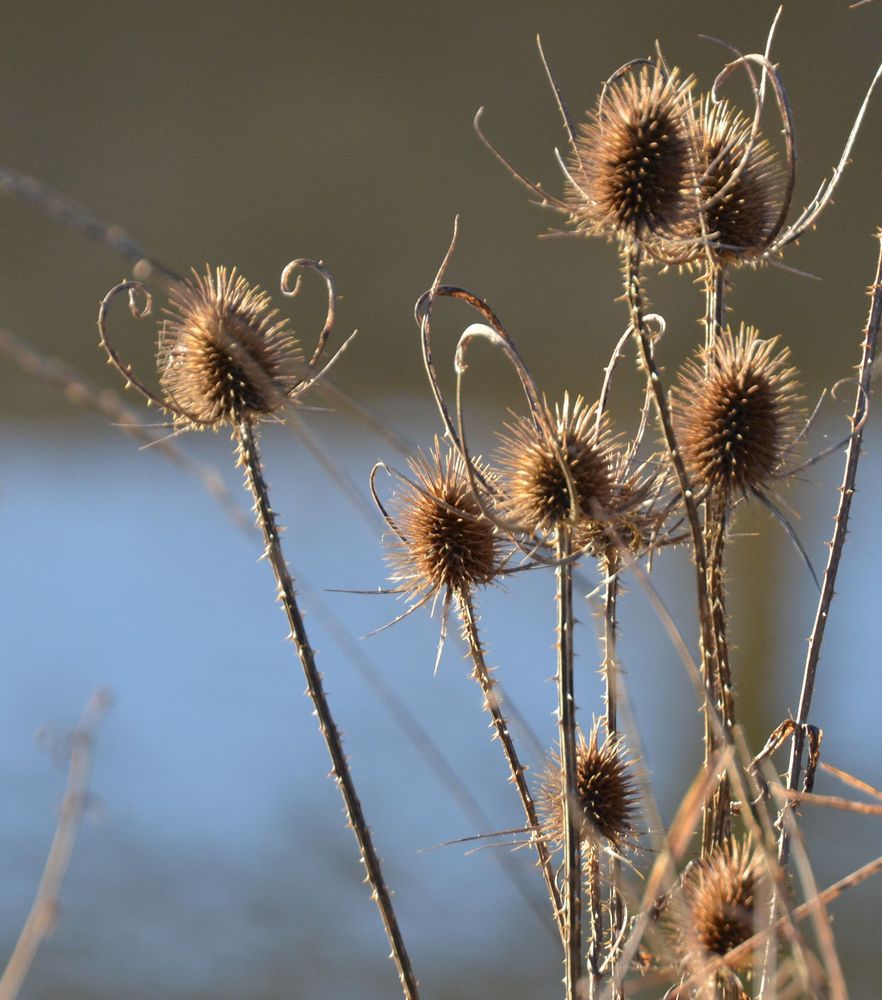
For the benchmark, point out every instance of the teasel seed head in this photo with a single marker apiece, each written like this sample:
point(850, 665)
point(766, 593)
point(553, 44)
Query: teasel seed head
point(606, 790)
point(723, 896)
point(736, 409)
point(535, 486)
point(633, 520)
point(742, 183)
point(223, 355)
point(447, 545)
point(633, 164)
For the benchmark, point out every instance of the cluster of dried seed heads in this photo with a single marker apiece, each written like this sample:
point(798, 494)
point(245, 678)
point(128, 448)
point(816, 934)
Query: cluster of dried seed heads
point(736, 411)
point(223, 354)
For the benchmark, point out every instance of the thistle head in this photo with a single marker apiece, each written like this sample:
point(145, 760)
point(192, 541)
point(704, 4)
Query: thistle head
point(735, 411)
point(631, 171)
point(740, 190)
point(223, 355)
point(539, 464)
point(444, 542)
point(722, 897)
point(605, 788)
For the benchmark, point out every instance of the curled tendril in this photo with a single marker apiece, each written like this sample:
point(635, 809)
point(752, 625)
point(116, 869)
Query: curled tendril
point(302, 263)
point(844, 442)
point(546, 200)
point(134, 288)
point(657, 64)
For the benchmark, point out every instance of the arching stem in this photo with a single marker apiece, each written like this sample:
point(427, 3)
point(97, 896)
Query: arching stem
point(483, 676)
point(249, 459)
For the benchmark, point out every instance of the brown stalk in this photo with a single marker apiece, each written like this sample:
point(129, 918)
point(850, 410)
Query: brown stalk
point(846, 490)
point(249, 458)
point(492, 704)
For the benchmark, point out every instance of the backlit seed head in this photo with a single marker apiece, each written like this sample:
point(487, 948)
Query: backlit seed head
point(223, 355)
point(447, 545)
point(742, 182)
point(606, 792)
point(532, 462)
point(633, 520)
point(736, 410)
point(722, 897)
point(633, 163)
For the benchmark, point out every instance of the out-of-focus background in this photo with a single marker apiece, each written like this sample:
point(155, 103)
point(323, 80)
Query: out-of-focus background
point(214, 861)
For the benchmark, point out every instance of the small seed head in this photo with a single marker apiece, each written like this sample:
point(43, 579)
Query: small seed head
point(223, 355)
point(532, 461)
point(447, 544)
point(632, 166)
point(722, 897)
point(735, 412)
point(606, 792)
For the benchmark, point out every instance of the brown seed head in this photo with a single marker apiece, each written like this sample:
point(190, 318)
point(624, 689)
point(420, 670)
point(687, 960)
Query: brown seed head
point(447, 544)
point(606, 790)
point(741, 187)
point(223, 356)
point(633, 162)
point(537, 494)
point(722, 896)
point(735, 412)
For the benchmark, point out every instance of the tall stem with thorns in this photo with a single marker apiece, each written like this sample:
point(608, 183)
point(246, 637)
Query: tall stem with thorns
point(566, 715)
point(610, 565)
point(249, 459)
point(846, 493)
point(482, 675)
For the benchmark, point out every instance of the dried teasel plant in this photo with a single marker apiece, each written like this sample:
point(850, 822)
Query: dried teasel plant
point(444, 547)
point(225, 360)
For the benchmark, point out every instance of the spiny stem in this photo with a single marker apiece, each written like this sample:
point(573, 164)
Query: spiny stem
point(634, 294)
point(595, 921)
point(846, 493)
point(566, 714)
point(492, 704)
point(715, 304)
point(610, 666)
point(718, 829)
point(249, 458)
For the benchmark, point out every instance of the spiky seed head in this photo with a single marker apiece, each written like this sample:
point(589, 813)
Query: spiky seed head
point(223, 355)
point(735, 410)
point(606, 790)
point(632, 167)
point(722, 896)
point(447, 544)
point(633, 519)
point(742, 181)
point(535, 486)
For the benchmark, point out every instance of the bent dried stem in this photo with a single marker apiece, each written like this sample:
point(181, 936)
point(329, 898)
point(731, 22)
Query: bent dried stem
point(249, 458)
point(45, 906)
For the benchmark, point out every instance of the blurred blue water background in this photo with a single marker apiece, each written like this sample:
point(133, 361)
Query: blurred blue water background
point(214, 861)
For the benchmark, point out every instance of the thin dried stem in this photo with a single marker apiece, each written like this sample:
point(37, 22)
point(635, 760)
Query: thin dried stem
point(249, 458)
point(852, 457)
point(518, 778)
point(45, 906)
